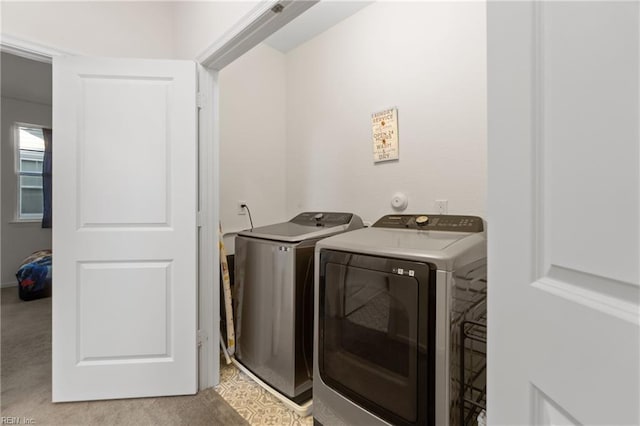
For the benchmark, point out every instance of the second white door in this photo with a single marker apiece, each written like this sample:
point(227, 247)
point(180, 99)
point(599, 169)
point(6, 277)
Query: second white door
point(564, 213)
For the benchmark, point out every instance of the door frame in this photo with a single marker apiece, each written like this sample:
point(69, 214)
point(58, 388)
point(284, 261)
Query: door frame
point(264, 19)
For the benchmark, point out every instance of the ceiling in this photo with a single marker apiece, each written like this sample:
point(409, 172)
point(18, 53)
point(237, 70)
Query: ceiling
point(313, 22)
point(25, 79)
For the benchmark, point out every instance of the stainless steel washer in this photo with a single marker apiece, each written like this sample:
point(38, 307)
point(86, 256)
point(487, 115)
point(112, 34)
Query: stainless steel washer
point(274, 298)
point(391, 305)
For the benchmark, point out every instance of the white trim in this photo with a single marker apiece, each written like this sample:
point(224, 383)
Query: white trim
point(30, 50)
point(208, 253)
point(624, 310)
point(9, 284)
point(27, 217)
point(262, 21)
point(25, 221)
point(540, 250)
point(23, 99)
point(544, 410)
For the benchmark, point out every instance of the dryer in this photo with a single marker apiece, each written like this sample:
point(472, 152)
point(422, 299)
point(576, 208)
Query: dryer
point(391, 304)
point(274, 298)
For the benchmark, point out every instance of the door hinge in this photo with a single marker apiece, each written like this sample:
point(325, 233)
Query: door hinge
point(202, 338)
point(199, 100)
point(199, 219)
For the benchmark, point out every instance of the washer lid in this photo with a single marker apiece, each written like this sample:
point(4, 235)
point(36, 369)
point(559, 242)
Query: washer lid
point(442, 248)
point(306, 226)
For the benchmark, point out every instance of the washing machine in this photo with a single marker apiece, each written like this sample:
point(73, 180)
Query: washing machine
point(274, 298)
point(391, 305)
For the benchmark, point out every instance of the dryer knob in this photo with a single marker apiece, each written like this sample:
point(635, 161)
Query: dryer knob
point(422, 220)
point(319, 216)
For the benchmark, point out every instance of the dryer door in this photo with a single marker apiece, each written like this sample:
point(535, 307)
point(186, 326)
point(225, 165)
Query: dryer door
point(376, 334)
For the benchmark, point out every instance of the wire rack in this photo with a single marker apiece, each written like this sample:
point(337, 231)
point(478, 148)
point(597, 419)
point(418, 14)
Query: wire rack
point(468, 349)
point(473, 369)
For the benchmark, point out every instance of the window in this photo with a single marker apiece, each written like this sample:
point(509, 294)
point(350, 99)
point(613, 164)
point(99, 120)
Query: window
point(30, 160)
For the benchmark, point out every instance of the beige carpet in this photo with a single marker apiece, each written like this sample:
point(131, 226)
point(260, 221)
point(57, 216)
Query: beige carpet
point(25, 381)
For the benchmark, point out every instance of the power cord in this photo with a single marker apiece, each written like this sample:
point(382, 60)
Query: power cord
point(244, 206)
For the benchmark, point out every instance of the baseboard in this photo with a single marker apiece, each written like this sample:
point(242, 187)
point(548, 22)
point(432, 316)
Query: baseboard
point(8, 284)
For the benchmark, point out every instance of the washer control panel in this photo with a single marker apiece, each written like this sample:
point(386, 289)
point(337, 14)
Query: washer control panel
point(322, 219)
point(430, 222)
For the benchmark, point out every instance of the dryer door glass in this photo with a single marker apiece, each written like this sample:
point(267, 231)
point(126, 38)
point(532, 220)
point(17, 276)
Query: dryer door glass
point(374, 334)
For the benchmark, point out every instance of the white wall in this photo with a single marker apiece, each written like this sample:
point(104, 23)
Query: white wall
point(253, 139)
point(430, 62)
point(18, 239)
point(25, 79)
point(119, 29)
point(427, 59)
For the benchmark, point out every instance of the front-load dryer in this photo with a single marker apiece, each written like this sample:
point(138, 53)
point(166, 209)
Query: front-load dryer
point(391, 302)
point(274, 298)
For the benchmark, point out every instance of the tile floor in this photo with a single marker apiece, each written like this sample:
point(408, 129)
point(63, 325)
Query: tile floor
point(254, 403)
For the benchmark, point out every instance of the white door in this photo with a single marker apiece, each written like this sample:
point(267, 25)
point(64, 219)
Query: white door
point(564, 213)
point(124, 228)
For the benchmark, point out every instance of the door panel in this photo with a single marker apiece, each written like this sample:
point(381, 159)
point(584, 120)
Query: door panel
point(138, 189)
point(564, 210)
point(589, 137)
point(101, 299)
point(124, 230)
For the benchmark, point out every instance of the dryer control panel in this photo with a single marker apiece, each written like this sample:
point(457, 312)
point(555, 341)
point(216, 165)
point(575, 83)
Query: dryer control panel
point(326, 219)
point(430, 222)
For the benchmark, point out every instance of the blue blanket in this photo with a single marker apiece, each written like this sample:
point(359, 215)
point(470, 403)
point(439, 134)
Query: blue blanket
point(34, 276)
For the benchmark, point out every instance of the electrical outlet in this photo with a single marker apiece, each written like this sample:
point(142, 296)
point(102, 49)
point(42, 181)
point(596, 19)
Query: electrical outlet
point(442, 206)
point(242, 210)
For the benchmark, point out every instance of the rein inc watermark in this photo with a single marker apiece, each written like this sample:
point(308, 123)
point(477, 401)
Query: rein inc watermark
point(16, 420)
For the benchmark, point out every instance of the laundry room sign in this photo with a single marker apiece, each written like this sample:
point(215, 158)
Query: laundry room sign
point(385, 135)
